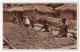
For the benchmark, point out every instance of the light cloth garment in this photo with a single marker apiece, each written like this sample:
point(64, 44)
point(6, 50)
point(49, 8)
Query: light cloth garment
point(27, 21)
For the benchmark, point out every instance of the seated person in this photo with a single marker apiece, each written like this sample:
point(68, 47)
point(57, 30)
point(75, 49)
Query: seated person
point(20, 22)
point(32, 23)
point(14, 18)
point(63, 30)
point(45, 26)
point(26, 21)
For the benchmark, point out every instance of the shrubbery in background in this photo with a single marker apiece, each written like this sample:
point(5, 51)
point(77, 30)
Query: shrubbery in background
point(57, 22)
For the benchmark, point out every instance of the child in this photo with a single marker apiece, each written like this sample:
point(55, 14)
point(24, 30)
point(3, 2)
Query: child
point(63, 30)
point(45, 26)
point(32, 23)
point(14, 18)
point(26, 21)
point(20, 22)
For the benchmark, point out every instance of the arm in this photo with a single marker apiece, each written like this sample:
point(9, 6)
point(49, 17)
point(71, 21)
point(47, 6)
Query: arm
point(41, 28)
point(59, 32)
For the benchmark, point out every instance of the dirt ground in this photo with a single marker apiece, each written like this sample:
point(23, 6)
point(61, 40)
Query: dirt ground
point(30, 38)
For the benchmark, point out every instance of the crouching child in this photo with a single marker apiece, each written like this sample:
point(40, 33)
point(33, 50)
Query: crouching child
point(45, 26)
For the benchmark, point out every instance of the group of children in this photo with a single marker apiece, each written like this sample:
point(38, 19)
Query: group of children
point(27, 23)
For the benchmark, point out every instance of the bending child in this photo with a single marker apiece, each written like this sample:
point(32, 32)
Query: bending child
point(45, 26)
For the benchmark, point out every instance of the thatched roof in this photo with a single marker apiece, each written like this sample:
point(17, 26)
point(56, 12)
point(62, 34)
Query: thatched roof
point(30, 7)
point(43, 8)
point(40, 8)
point(68, 7)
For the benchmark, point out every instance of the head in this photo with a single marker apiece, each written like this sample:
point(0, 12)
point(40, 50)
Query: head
point(45, 21)
point(63, 20)
point(25, 16)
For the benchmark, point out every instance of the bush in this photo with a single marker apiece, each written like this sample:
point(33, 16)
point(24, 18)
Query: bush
point(58, 22)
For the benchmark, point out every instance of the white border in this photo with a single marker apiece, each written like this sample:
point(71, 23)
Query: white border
point(34, 1)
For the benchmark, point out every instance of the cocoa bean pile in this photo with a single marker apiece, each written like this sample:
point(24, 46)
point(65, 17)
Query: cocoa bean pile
point(27, 38)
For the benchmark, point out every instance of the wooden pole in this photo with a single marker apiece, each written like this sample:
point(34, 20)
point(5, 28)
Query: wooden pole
point(11, 46)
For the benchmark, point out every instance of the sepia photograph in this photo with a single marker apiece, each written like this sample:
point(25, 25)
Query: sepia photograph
point(40, 26)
